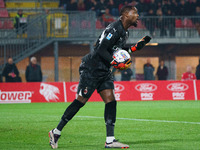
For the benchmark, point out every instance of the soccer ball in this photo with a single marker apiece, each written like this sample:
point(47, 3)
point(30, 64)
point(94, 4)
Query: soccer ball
point(121, 56)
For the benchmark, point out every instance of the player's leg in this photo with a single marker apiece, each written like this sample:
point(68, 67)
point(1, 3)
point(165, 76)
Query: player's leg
point(69, 113)
point(109, 113)
point(110, 117)
point(85, 89)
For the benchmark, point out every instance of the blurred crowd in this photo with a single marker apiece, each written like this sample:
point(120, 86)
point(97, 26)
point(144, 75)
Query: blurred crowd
point(108, 10)
point(145, 7)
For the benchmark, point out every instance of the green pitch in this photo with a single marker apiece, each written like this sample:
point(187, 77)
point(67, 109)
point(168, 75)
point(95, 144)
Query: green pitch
point(160, 125)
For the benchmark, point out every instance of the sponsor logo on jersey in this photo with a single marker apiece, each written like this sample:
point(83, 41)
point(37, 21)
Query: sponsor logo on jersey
point(109, 36)
point(15, 96)
point(85, 91)
point(177, 87)
point(146, 87)
point(49, 92)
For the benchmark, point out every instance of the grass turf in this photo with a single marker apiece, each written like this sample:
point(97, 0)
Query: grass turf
point(26, 126)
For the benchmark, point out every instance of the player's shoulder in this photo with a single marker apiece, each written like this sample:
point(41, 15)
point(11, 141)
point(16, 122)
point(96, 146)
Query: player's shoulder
point(115, 27)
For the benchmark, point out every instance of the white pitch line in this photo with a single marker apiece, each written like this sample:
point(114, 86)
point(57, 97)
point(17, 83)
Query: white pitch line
point(147, 120)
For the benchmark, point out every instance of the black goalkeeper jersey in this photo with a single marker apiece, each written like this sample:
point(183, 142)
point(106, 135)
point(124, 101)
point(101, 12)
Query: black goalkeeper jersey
point(98, 61)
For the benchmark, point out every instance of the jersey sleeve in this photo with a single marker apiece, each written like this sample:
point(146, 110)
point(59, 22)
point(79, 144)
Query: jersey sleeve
point(106, 41)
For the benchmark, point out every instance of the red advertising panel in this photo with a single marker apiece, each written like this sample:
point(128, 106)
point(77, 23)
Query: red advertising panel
point(31, 92)
point(124, 91)
point(121, 90)
point(162, 90)
point(143, 90)
point(198, 89)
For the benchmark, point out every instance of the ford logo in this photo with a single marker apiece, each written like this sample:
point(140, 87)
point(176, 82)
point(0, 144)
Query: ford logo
point(177, 87)
point(146, 87)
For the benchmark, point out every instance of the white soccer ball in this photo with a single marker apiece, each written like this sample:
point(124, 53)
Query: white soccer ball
point(121, 56)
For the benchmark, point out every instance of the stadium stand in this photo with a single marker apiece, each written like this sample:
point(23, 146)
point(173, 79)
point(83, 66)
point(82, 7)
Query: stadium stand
point(8, 24)
point(2, 4)
point(3, 13)
point(1, 24)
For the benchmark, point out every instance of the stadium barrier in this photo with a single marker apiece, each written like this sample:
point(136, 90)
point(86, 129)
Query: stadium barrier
point(124, 91)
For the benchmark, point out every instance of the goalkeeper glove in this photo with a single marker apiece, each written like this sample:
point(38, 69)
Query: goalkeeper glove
point(121, 65)
point(140, 44)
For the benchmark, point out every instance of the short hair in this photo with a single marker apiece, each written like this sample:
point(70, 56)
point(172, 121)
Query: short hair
point(126, 8)
point(32, 58)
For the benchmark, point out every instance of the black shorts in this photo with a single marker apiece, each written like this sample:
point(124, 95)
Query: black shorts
point(89, 83)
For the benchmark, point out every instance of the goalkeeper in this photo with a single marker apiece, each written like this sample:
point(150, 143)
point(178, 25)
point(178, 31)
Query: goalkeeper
point(95, 74)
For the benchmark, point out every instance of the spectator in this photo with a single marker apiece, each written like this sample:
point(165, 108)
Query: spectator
point(90, 5)
point(81, 5)
point(162, 71)
point(160, 22)
point(191, 7)
point(20, 20)
point(10, 72)
point(165, 7)
point(122, 3)
point(148, 70)
point(150, 22)
point(196, 20)
point(33, 71)
point(170, 23)
point(126, 74)
point(198, 71)
point(72, 6)
point(174, 8)
point(113, 7)
point(182, 9)
point(107, 17)
point(188, 75)
point(63, 4)
point(1, 78)
point(142, 7)
point(152, 6)
point(100, 8)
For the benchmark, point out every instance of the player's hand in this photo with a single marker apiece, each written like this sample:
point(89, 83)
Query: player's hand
point(140, 44)
point(122, 65)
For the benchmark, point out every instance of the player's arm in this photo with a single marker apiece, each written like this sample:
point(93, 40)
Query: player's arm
point(139, 45)
point(106, 41)
point(103, 52)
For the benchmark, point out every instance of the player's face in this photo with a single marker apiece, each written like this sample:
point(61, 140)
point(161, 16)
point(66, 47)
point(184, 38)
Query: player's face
point(133, 17)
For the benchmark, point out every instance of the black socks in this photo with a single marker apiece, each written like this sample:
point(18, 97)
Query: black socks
point(69, 113)
point(110, 117)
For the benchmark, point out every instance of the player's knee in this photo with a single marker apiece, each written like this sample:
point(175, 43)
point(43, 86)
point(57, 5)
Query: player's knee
point(109, 100)
point(72, 109)
point(82, 99)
